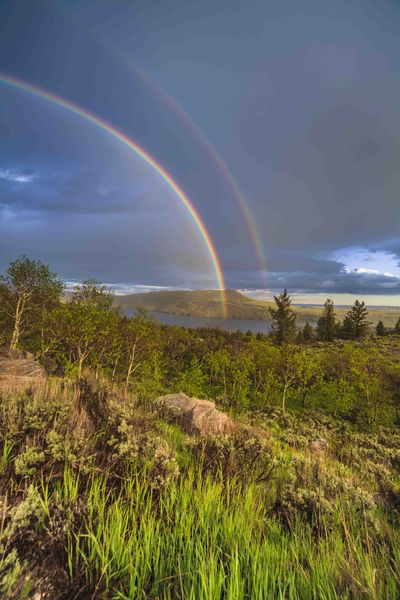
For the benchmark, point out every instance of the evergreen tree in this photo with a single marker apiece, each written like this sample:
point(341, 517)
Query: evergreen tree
point(397, 327)
point(380, 329)
point(347, 330)
point(357, 315)
point(308, 332)
point(284, 319)
point(326, 327)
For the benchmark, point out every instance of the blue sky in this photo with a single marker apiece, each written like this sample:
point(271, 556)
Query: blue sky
point(301, 101)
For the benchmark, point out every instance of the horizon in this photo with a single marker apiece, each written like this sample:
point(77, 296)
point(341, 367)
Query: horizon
point(298, 298)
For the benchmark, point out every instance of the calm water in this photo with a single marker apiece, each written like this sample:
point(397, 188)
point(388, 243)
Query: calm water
point(227, 324)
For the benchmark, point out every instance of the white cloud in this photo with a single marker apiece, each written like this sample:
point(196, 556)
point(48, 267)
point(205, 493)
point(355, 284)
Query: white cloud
point(362, 261)
point(123, 289)
point(9, 175)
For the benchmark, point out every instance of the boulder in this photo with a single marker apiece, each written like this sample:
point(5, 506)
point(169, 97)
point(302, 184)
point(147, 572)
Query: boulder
point(20, 373)
point(198, 417)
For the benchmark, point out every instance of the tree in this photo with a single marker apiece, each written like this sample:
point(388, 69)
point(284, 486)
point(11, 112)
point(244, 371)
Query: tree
point(326, 327)
point(357, 320)
point(284, 319)
point(135, 336)
point(397, 327)
point(380, 329)
point(26, 290)
point(347, 329)
point(286, 371)
point(308, 333)
point(308, 373)
point(88, 324)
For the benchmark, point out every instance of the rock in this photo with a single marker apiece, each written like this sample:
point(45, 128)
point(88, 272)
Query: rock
point(173, 406)
point(319, 446)
point(20, 373)
point(198, 417)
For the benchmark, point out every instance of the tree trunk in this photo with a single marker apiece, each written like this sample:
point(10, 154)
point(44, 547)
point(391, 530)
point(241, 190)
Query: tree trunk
point(284, 396)
point(17, 325)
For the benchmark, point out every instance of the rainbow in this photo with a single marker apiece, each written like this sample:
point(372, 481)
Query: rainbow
point(232, 184)
point(139, 151)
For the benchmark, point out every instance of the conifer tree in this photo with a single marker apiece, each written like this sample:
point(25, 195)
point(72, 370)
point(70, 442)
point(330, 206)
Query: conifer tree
point(380, 329)
point(397, 327)
point(284, 319)
point(308, 333)
point(347, 329)
point(326, 327)
point(357, 316)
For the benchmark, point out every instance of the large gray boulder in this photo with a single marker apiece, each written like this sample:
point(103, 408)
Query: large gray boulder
point(20, 373)
point(198, 417)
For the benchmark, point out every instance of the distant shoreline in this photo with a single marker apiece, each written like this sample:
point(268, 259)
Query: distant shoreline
point(207, 304)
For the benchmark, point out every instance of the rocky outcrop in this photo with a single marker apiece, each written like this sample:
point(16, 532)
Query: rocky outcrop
point(198, 417)
point(20, 373)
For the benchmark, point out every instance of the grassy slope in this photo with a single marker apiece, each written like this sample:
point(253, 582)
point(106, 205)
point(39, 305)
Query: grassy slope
point(159, 515)
point(207, 303)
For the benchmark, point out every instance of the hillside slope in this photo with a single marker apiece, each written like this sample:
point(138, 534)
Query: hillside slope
point(198, 303)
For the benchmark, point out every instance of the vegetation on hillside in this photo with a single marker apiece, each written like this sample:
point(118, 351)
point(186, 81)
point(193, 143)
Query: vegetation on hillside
point(101, 497)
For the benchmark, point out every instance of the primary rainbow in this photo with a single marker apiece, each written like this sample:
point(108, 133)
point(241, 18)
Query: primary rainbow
point(132, 145)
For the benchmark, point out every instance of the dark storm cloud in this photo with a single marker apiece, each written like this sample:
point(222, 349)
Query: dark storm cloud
point(301, 100)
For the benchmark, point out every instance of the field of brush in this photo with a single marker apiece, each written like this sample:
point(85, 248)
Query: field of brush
point(101, 498)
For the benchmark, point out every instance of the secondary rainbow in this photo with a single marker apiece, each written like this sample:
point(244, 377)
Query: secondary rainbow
point(139, 151)
point(230, 181)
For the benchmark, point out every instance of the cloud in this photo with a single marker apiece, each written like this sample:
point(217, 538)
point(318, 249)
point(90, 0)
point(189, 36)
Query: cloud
point(15, 177)
point(124, 289)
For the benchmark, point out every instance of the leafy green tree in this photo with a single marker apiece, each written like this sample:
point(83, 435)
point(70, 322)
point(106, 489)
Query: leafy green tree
point(136, 338)
point(367, 376)
point(381, 329)
point(286, 371)
point(326, 327)
point(283, 319)
point(218, 363)
point(357, 315)
point(192, 381)
point(88, 324)
point(307, 371)
point(27, 290)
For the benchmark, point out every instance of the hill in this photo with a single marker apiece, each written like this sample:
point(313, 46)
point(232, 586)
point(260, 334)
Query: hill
point(207, 303)
point(197, 303)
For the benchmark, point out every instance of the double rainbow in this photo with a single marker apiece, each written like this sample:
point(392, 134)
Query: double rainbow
point(139, 151)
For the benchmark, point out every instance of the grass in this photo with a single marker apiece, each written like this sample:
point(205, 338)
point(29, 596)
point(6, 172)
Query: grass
point(202, 538)
point(123, 505)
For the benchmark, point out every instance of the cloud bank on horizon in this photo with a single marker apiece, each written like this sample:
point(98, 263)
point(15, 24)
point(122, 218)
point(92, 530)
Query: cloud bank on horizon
point(301, 101)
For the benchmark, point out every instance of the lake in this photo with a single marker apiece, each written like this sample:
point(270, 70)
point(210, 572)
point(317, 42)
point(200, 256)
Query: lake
point(255, 326)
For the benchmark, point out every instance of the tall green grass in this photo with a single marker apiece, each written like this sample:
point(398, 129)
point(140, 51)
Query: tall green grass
point(205, 539)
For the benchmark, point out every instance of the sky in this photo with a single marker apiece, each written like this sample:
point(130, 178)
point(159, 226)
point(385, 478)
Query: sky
point(280, 121)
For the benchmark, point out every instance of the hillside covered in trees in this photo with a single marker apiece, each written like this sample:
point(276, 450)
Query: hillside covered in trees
point(103, 495)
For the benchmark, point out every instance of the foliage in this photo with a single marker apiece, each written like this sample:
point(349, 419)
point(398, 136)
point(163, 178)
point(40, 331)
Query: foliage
point(27, 291)
point(101, 498)
point(326, 327)
point(284, 318)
